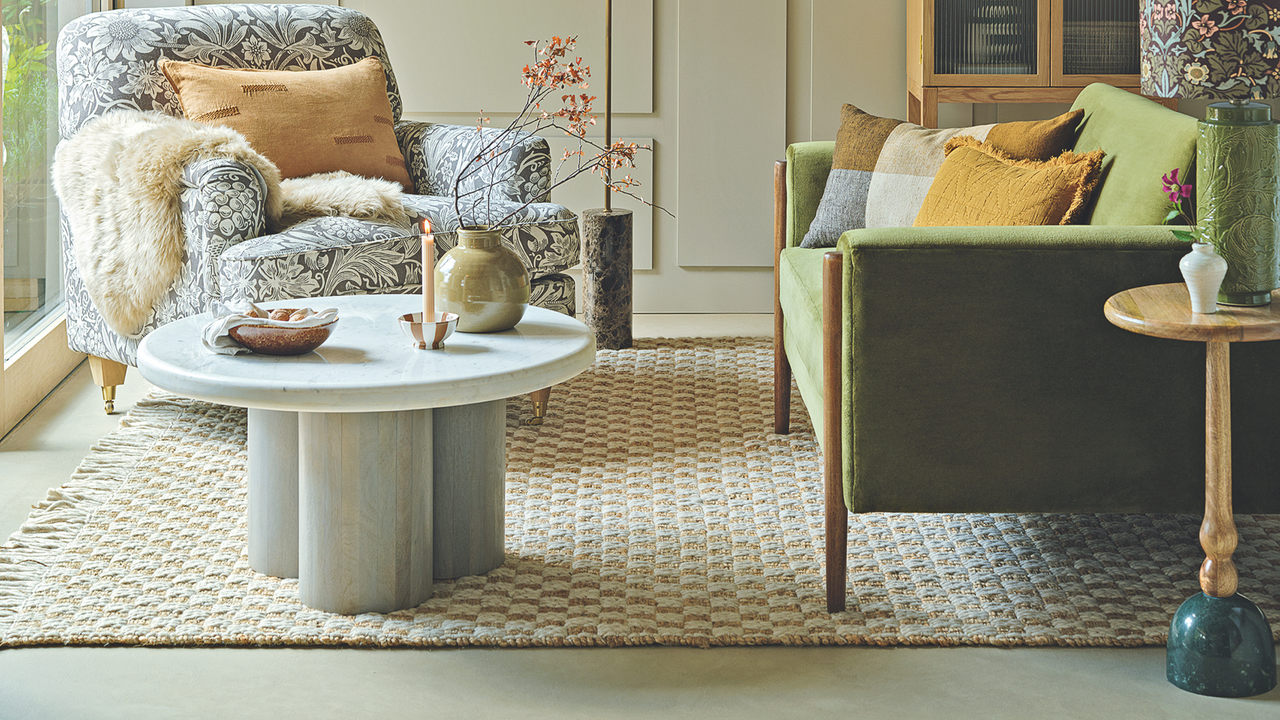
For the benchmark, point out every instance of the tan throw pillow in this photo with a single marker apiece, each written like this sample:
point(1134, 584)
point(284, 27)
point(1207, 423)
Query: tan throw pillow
point(979, 185)
point(305, 121)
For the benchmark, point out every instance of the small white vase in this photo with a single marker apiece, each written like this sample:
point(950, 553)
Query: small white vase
point(1203, 269)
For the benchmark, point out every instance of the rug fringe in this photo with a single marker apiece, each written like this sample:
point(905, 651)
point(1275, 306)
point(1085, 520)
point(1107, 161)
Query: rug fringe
point(26, 557)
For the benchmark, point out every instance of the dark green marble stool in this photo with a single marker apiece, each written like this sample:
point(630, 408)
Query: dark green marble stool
point(1219, 642)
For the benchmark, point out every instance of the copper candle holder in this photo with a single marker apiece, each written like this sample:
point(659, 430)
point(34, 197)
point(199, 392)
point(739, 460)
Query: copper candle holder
point(429, 335)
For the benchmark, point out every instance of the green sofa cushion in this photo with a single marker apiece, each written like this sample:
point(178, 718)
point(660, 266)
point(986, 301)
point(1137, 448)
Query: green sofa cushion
point(801, 300)
point(1143, 141)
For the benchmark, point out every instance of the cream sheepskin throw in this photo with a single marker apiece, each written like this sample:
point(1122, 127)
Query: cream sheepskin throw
point(341, 194)
point(120, 183)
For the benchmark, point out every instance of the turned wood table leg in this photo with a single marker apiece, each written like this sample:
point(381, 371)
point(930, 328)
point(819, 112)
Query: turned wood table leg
point(1219, 641)
point(1218, 532)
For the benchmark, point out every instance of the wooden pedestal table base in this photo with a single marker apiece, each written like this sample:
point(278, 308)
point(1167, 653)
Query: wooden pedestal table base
point(1219, 641)
point(375, 468)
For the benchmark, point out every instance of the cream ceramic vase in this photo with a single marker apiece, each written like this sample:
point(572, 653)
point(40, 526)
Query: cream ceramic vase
point(1203, 269)
point(482, 281)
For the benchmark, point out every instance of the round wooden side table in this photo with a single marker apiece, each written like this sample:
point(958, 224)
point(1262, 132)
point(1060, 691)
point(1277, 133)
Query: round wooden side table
point(1219, 641)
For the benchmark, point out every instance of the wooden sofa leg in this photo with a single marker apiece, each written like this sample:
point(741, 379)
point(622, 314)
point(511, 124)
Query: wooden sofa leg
point(837, 515)
point(107, 374)
point(540, 400)
point(781, 366)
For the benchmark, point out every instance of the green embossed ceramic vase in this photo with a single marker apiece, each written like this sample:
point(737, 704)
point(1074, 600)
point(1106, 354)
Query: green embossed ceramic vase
point(1236, 197)
point(482, 281)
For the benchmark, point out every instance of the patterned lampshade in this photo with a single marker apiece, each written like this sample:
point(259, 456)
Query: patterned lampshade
point(1210, 49)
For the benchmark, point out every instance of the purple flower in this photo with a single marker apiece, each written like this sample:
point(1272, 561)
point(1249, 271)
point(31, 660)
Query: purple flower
point(1174, 189)
point(1182, 210)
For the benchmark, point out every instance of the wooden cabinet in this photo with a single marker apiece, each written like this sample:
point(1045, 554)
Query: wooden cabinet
point(997, 51)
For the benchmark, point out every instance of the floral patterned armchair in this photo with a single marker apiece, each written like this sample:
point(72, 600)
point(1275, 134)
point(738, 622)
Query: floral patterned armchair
point(109, 60)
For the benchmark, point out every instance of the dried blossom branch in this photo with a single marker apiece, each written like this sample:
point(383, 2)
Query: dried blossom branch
point(547, 79)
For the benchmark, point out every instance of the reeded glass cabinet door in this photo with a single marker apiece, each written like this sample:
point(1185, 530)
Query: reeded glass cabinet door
point(984, 42)
point(985, 37)
point(1095, 41)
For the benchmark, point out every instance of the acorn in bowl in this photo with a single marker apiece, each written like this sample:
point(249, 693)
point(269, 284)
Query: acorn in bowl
point(284, 332)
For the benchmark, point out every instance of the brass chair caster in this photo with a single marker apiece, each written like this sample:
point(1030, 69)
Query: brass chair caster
point(107, 374)
point(541, 399)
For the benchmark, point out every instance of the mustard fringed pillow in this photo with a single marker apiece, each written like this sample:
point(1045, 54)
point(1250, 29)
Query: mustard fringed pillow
point(304, 121)
point(980, 185)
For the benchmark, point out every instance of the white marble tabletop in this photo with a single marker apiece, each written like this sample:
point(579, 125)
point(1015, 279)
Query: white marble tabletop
point(368, 364)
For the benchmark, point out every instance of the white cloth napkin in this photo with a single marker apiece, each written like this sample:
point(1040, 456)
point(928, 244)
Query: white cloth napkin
point(217, 334)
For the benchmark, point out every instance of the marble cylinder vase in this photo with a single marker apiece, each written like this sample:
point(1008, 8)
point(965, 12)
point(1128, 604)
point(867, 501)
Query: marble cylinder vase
point(606, 276)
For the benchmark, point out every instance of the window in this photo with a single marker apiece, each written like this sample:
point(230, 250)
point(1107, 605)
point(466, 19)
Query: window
point(32, 285)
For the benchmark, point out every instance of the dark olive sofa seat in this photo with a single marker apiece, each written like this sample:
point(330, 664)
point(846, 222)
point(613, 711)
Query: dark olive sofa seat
point(974, 370)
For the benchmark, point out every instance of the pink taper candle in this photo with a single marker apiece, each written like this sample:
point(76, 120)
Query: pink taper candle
point(428, 273)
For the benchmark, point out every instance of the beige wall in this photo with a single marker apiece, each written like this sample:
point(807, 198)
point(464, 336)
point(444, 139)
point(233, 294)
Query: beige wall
point(788, 65)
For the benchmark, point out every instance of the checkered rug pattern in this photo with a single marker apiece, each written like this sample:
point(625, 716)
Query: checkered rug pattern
point(654, 506)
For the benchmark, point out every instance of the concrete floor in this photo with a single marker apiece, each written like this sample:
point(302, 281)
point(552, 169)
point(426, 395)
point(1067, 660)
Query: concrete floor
point(646, 682)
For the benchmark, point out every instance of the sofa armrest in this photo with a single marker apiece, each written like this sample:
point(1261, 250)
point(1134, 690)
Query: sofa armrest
point(808, 165)
point(980, 374)
point(225, 203)
point(436, 153)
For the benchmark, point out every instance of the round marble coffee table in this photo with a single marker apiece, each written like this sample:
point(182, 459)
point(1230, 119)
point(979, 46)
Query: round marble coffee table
point(374, 467)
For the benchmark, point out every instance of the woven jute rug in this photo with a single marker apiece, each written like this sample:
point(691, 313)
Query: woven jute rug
point(654, 506)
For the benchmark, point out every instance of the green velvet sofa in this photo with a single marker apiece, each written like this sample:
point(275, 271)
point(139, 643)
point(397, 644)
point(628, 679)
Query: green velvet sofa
point(971, 369)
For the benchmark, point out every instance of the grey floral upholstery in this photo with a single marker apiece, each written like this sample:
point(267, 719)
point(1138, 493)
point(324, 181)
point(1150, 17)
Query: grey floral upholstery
point(109, 61)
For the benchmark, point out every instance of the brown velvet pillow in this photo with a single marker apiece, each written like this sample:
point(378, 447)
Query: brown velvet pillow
point(979, 185)
point(305, 122)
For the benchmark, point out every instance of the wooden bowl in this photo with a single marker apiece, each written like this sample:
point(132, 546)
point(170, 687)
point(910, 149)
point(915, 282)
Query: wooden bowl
point(279, 340)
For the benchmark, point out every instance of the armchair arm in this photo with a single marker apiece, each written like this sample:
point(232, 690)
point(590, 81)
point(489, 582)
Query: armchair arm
point(544, 235)
point(436, 153)
point(225, 203)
